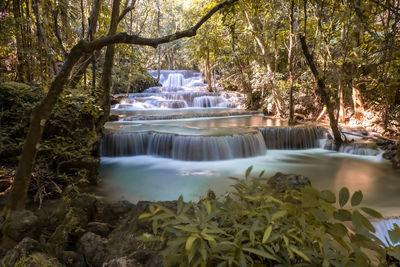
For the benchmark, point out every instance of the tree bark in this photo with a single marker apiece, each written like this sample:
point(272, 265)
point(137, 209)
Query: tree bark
point(322, 90)
point(40, 114)
point(290, 64)
point(42, 37)
point(357, 104)
point(106, 79)
point(342, 117)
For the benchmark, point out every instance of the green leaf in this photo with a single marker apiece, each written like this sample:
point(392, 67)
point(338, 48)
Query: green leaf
point(261, 174)
point(338, 230)
point(367, 224)
point(208, 206)
point(248, 171)
point(267, 233)
point(309, 197)
point(278, 215)
point(300, 253)
point(344, 195)
point(372, 212)
point(395, 234)
point(357, 219)
point(189, 242)
point(328, 196)
point(356, 198)
point(319, 215)
point(261, 253)
point(342, 215)
point(144, 215)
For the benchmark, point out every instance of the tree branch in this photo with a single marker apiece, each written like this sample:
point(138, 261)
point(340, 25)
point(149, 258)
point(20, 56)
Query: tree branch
point(154, 42)
point(127, 10)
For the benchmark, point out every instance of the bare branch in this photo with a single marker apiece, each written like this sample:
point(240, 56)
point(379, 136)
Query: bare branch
point(127, 10)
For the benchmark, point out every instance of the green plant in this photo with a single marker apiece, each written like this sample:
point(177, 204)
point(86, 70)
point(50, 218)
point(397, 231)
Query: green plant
point(255, 225)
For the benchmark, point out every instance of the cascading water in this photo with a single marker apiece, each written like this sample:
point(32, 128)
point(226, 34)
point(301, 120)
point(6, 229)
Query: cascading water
point(181, 138)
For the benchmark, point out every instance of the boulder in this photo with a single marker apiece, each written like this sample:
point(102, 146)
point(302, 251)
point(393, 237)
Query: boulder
point(86, 202)
point(20, 224)
point(281, 182)
point(112, 212)
point(122, 262)
point(71, 258)
point(24, 248)
point(93, 248)
point(38, 260)
point(124, 239)
point(98, 228)
point(69, 230)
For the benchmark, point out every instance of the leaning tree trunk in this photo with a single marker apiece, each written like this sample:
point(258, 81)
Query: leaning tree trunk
point(40, 114)
point(322, 90)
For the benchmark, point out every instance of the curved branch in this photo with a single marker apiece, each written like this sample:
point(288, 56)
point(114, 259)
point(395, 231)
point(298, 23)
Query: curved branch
point(154, 42)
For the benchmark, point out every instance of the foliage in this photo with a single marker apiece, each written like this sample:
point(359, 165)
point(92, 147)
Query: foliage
point(16, 101)
point(137, 82)
point(255, 225)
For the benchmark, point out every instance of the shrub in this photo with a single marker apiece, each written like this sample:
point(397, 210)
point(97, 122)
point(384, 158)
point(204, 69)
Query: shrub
point(255, 225)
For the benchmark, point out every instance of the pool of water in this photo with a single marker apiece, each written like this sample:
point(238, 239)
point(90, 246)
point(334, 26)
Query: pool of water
point(152, 178)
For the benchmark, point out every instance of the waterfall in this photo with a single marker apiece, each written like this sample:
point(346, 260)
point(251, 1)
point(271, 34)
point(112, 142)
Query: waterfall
point(208, 101)
point(184, 147)
point(179, 86)
point(356, 148)
point(300, 137)
point(382, 229)
point(174, 80)
point(120, 144)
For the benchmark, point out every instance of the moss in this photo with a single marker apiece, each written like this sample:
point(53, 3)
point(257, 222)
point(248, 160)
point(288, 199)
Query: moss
point(37, 260)
point(140, 80)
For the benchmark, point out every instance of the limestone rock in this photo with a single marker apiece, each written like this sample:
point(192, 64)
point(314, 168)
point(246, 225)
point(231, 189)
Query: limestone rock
point(86, 202)
point(20, 224)
point(70, 230)
point(98, 228)
point(93, 248)
point(122, 262)
point(282, 182)
point(38, 260)
point(24, 248)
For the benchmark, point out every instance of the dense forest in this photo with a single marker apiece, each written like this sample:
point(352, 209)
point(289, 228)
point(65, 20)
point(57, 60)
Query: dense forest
point(64, 63)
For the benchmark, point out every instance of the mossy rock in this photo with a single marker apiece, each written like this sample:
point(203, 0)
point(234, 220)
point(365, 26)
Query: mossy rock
point(38, 260)
point(140, 80)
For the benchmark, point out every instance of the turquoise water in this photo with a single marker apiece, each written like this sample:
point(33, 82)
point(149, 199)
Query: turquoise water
point(152, 178)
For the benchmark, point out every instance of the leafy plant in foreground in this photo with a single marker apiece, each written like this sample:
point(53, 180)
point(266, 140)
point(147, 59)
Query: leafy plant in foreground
point(255, 225)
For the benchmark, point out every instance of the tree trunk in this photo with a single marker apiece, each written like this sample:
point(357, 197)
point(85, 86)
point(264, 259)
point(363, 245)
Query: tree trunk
point(106, 78)
point(159, 47)
point(42, 37)
point(342, 117)
point(322, 90)
point(39, 116)
point(290, 65)
point(357, 104)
